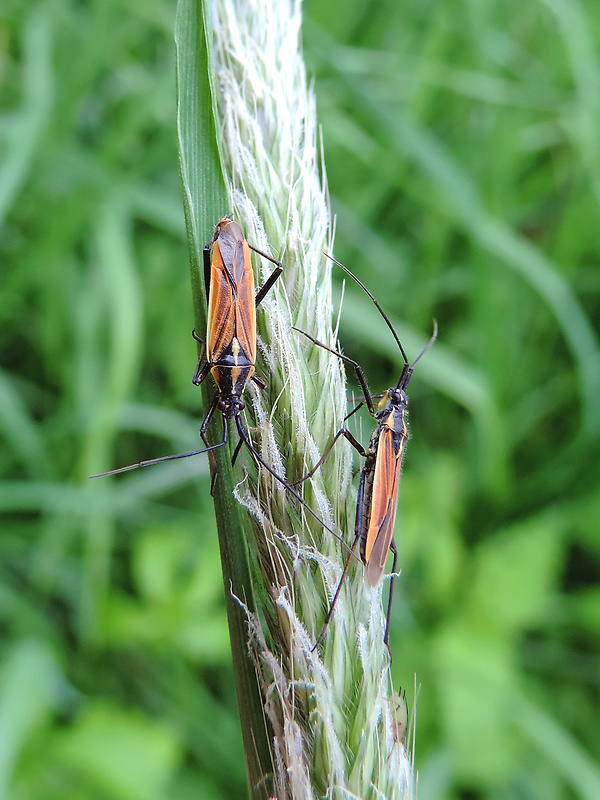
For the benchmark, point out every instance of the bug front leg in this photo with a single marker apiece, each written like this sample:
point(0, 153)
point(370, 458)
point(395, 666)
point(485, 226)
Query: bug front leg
point(259, 460)
point(357, 368)
point(268, 285)
point(236, 452)
point(342, 432)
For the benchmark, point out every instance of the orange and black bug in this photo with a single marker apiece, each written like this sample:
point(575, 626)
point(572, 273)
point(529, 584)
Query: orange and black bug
point(377, 499)
point(229, 351)
point(230, 344)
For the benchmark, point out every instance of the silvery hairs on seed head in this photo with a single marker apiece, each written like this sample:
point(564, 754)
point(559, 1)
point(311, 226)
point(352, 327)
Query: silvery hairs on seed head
point(330, 711)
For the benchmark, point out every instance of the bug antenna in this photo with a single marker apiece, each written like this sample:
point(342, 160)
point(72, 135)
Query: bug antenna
point(429, 343)
point(407, 372)
point(157, 461)
point(379, 308)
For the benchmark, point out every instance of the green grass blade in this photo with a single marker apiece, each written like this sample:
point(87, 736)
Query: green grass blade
point(205, 202)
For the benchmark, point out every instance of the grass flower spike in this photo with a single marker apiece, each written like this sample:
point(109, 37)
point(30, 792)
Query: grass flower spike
point(330, 714)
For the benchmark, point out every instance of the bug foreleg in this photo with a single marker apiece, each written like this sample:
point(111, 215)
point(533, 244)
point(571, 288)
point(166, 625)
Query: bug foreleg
point(268, 284)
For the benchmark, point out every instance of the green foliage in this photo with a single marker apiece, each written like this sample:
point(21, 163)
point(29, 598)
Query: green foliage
point(204, 198)
point(465, 179)
point(464, 167)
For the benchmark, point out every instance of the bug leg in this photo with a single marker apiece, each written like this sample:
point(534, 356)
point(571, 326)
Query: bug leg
point(267, 286)
point(342, 432)
point(354, 442)
point(201, 371)
point(207, 419)
point(328, 449)
point(236, 452)
point(203, 429)
point(258, 382)
point(213, 463)
point(208, 449)
point(357, 368)
point(255, 455)
point(358, 532)
point(206, 253)
point(389, 608)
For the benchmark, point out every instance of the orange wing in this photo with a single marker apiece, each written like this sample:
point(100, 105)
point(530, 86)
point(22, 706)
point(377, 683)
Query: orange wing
point(231, 314)
point(245, 307)
point(384, 505)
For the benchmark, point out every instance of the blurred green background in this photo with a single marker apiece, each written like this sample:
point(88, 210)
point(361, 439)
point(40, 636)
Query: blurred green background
point(463, 155)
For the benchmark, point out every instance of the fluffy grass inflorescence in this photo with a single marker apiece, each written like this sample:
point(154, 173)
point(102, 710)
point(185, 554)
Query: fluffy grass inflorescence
point(331, 712)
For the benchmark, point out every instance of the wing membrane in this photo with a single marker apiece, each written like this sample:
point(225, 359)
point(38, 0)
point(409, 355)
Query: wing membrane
point(231, 309)
point(384, 505)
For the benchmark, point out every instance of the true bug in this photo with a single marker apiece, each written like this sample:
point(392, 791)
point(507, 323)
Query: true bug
point(230, 345)
point(377, 499)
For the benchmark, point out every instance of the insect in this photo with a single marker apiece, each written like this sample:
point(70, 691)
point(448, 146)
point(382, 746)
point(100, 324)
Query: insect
point(400, 718)
point(229, 351)
point(377, 498)
point(230, 344)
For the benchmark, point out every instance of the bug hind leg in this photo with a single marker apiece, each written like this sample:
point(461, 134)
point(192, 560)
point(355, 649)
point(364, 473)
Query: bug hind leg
point(388, 614)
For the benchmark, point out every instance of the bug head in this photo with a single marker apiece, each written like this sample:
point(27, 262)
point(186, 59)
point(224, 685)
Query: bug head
point(231, 406)
point(393, 398)
point(397, 396)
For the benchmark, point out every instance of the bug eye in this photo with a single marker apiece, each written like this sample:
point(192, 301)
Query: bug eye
point(241, 405)
point(221, 405)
